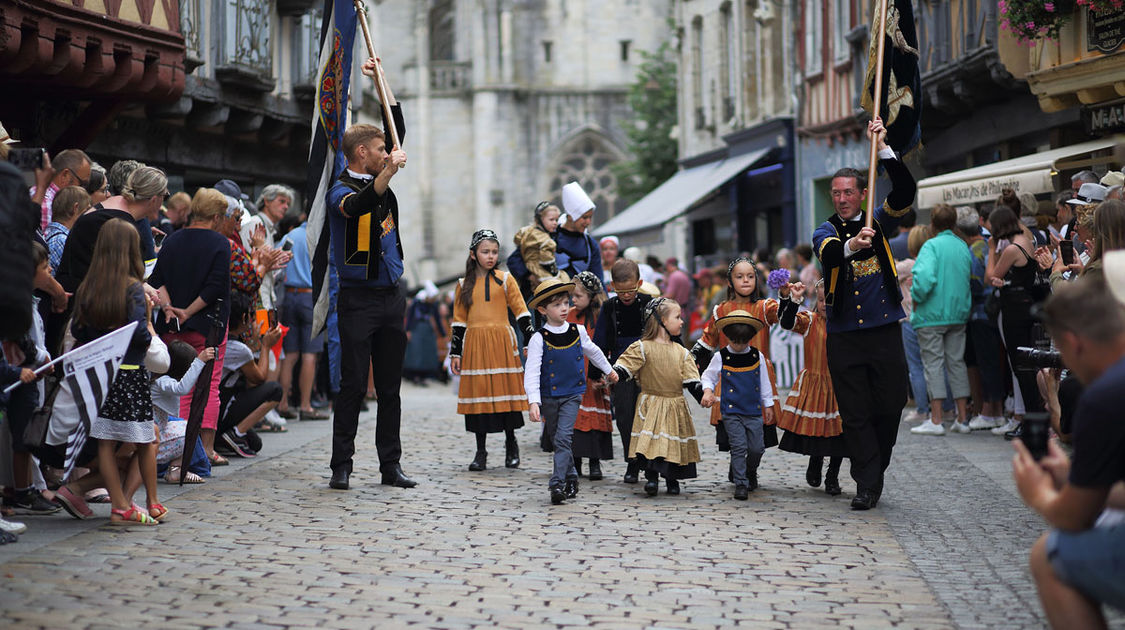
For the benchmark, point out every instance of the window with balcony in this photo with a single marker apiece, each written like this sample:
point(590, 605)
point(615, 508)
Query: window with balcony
point(190, 17)
point(245, 56)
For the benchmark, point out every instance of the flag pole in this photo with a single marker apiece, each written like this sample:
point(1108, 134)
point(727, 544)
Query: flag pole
point(881, 33)
point(380, 80)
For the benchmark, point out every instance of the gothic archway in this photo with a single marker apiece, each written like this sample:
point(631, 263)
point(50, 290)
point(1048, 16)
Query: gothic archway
point(586, 159)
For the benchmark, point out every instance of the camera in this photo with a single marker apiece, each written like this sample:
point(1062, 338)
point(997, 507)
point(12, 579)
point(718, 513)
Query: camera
point(1034, 359)
point(27, 159)
point(1036, 430)
point(1040, 355)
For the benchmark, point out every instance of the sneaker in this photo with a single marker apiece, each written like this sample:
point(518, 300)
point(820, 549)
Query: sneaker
point(237, 444)
point(980, 423)
point(1010, 425)
point(12, 527)
point(960, 427)
point(916, 416)
point(32, 503)
point(928, 428)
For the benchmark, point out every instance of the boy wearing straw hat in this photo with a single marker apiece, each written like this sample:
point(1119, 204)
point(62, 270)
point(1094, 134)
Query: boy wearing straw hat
point(555, 377)
point(746, 397)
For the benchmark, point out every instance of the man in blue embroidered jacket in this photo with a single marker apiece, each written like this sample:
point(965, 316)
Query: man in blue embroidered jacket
point(865, 355)
point(363, 218)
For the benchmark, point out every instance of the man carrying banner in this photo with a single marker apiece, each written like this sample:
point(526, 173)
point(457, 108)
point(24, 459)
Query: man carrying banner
point(363, 219)
point(865, 354)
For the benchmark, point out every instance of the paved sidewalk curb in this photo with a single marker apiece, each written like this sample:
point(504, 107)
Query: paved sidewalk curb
point(48, 530)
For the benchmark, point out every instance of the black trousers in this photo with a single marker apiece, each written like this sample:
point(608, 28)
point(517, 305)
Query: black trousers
point(625, 395)
point(868, 369)
point(242, 403)
point(372, 336)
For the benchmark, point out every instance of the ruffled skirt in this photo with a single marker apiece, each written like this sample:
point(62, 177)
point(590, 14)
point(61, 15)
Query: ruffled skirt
point(491, 373)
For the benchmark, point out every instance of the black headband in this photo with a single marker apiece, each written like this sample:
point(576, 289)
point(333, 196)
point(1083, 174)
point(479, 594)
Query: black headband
point(591, 283)
point(483, 235)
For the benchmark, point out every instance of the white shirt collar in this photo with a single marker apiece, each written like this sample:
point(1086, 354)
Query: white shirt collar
point(557, 329)
point(733, 351)
point(363, 176)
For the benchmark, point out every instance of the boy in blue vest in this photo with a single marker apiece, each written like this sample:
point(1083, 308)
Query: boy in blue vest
point(747, 396)
point(555, 377)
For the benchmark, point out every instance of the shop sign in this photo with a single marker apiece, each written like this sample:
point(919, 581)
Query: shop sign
point(1105, 32)
point(1105, 118)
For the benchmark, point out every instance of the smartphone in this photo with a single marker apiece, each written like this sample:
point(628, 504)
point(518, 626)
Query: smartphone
point(287, 246)
point(1066, 251)
point(1036, 430)
point(271, 316)
point(27, 159)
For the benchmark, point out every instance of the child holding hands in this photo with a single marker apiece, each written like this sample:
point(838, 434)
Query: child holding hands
point(747, 396)
point(555, 377)
point(663, 436)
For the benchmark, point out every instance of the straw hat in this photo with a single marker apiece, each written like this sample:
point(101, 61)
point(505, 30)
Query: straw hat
point(740, 317)
point(649, 289)
point(547, 288)
point(5, 137)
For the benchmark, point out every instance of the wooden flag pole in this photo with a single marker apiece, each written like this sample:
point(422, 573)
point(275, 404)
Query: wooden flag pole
point(380, 81)
point(881, 33)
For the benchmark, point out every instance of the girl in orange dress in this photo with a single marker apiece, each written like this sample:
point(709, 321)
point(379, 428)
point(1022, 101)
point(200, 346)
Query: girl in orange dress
point(593, 429)
point(484, 350)
point(809, 415)
point(744, 292)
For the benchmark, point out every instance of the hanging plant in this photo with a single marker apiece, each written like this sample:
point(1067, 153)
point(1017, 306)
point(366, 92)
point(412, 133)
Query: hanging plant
point(1034, 20)
point(1102, 6)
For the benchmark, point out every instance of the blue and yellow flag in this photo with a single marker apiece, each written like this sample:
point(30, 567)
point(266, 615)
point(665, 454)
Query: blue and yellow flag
point(326, 156)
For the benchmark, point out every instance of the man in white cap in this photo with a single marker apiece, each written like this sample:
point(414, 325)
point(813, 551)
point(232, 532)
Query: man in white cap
point(577, 251)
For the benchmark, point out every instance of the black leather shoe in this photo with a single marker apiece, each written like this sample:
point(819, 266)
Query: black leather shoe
point(673, 486)
point(864, 500)
point(557, 496)
point(631, 470)
point(571, 488)
point(394, 477)
point(480, 461)
point(813, 473)
point(339, 480)
point(752, 477)
point(511, 455)
point(595, 470)
point(741, 493)
point(832, 487)
point(652, 487)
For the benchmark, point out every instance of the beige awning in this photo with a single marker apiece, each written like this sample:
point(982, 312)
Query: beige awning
point(1030, 173)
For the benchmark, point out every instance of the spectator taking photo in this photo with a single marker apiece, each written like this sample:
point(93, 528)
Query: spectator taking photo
point(1080, 564)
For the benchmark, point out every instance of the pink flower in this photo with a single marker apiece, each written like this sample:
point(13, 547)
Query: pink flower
point(1049, 6)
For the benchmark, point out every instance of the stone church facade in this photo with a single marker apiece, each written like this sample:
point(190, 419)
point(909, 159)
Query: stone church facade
point(506, 101)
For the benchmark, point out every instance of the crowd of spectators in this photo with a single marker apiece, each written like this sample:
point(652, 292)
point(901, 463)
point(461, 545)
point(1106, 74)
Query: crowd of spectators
point(211, 260)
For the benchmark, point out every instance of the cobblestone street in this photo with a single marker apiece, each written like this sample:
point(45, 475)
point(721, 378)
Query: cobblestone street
point(266, 544)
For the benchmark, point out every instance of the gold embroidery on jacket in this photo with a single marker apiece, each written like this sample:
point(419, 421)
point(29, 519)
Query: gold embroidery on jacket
point(867, 267)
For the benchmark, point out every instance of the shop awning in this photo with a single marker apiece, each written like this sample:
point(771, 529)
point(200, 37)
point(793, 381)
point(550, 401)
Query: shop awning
point(678, 194)
point(1030, 173)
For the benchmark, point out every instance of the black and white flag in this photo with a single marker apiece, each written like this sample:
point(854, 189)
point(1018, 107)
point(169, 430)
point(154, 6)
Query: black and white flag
point(86, 375)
